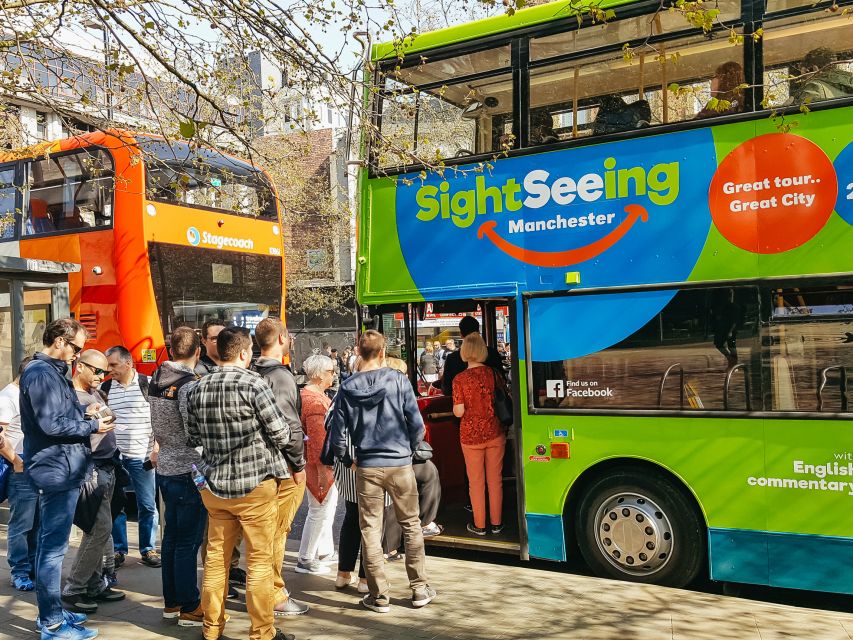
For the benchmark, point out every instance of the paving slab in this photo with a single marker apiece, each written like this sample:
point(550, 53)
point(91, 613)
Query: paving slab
point(477, 601)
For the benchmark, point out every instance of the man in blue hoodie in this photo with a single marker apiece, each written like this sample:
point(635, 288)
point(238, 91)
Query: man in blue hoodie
point(377, 410)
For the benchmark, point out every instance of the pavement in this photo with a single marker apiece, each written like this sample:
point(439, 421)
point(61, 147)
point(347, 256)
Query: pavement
point(477, 600)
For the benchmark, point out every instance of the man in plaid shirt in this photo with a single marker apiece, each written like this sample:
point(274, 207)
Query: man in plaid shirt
point(232, 414)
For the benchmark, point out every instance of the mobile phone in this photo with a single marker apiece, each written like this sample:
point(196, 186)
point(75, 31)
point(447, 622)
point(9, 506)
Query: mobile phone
point(148, 465)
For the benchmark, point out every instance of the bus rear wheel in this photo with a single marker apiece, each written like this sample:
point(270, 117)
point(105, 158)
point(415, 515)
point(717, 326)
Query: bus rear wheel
point(641, 527)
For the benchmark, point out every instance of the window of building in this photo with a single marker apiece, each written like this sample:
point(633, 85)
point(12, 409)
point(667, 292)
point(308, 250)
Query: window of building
point(72, 191)
point(8, 202)
point(808, 59)
point(41, 126)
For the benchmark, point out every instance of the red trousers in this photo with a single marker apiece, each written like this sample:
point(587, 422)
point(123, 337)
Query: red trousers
point(484, 464)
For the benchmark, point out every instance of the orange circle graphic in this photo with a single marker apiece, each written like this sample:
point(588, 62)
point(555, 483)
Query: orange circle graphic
point(773, 193)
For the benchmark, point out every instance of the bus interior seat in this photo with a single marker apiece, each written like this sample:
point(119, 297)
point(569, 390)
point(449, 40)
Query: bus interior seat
point(40, 220)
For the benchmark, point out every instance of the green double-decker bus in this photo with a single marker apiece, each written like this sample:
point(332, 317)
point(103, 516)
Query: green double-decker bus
point(649, 210)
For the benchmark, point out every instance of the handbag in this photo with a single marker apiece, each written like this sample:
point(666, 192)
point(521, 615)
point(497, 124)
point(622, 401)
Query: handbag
point(502, 402)
point(6, 471)
point(422, 453)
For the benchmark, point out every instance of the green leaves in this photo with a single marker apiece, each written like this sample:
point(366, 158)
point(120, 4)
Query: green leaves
point(187, 128)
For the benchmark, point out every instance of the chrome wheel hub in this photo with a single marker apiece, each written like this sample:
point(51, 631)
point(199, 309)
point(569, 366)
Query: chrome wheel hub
point(634, 534)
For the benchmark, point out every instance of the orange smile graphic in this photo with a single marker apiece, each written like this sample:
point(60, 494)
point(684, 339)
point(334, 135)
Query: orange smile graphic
point(571, 256)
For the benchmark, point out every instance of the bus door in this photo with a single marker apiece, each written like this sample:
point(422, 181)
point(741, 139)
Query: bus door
point(431, 334)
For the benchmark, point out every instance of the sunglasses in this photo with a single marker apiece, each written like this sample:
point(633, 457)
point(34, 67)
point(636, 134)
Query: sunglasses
point(96, 370)
point(77, 348)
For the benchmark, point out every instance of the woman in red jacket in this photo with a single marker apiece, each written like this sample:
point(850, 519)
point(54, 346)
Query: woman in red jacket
point(482, 435)
point(317, 548)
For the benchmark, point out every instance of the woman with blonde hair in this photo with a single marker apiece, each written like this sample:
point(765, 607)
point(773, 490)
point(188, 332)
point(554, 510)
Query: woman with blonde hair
point(482, 435)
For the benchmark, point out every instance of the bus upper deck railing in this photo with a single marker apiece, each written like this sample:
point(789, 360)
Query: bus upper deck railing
point(842, 385)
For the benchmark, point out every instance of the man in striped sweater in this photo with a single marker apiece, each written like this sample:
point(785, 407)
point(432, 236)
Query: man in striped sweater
point(127, 396)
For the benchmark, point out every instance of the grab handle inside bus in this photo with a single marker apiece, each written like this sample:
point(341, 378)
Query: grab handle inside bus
point(842, 385)
point(747, 385)
point(680, 384)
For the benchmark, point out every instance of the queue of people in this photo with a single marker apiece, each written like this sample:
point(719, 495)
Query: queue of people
point(232, 445)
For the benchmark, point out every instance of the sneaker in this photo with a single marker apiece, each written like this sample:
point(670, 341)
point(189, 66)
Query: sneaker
point(342, 582)
point(422, 597)
point(237, 576)
point(110, 579)
point(290, 607)
point(281, 635)
point(170, 613)
point(70, 618)
point(432, 529)
point(362, 587)
point(109, 595)
point(80, 603)
point(119, 558)
point(332, 558)
point(497, 528)
point(232, 593)
point(379, 604)
point(477, 531)
point(394, 557)
point(23, 583)
point(469, 508)
point(68, 631)
point(191, 618)
point(313, 567)
point(151, 559)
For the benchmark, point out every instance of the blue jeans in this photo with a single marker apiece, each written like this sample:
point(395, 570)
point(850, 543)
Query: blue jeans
point(57, 513)
point(185, 521)
point(144, 485)
point(23, 526)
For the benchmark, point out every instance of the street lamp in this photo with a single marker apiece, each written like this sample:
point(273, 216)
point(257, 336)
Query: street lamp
point(99, 26)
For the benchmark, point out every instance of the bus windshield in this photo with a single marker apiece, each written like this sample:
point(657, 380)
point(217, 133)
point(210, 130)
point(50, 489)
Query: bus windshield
point(193, 285)
point(199, 177)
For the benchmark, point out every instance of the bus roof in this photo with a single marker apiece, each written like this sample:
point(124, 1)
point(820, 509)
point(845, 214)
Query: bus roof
point(495, 25)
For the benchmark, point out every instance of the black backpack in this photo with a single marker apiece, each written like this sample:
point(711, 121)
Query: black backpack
point(143, 385)
point(614, 114)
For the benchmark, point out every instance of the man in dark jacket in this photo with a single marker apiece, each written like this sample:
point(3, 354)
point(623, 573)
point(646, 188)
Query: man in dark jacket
point(377, 409)
point(210, 356)
point(453, 364)
point(56, 429)
point(274, 341)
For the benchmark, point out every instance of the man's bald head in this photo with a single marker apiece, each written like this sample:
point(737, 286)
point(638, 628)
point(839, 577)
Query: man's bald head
point(92, 366)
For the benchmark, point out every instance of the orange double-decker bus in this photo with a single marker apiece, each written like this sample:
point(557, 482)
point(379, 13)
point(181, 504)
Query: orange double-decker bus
point(166, 234)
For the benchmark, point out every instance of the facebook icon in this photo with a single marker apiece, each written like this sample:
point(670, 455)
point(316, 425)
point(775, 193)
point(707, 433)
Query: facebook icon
point(555, 388)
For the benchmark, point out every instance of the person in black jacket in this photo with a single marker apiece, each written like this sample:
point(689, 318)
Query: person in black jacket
point(210, 354)
point(453, 364)
point(274, 342)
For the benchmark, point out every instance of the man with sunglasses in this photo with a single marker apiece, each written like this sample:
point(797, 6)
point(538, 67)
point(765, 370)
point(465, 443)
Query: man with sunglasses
point(85, 586)
point(56, 428)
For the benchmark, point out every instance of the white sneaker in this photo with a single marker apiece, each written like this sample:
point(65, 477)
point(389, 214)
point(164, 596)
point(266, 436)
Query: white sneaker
point(342, 582)
point(363, 588)
point(313, 567)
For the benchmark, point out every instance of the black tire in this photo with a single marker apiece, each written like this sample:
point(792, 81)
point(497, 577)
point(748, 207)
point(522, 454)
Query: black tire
point(658, 536)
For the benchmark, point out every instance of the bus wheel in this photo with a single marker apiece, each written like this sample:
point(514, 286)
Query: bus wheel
point(637, 526)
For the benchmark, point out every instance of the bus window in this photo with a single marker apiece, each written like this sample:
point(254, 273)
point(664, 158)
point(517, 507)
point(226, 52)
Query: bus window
point(673, 81)
point(8, 193)
point(69, 192)
point(808, 59)
point(811, 348)
point(700, 352)
point(198, 177)
point(430, 111)
point(616, 31)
